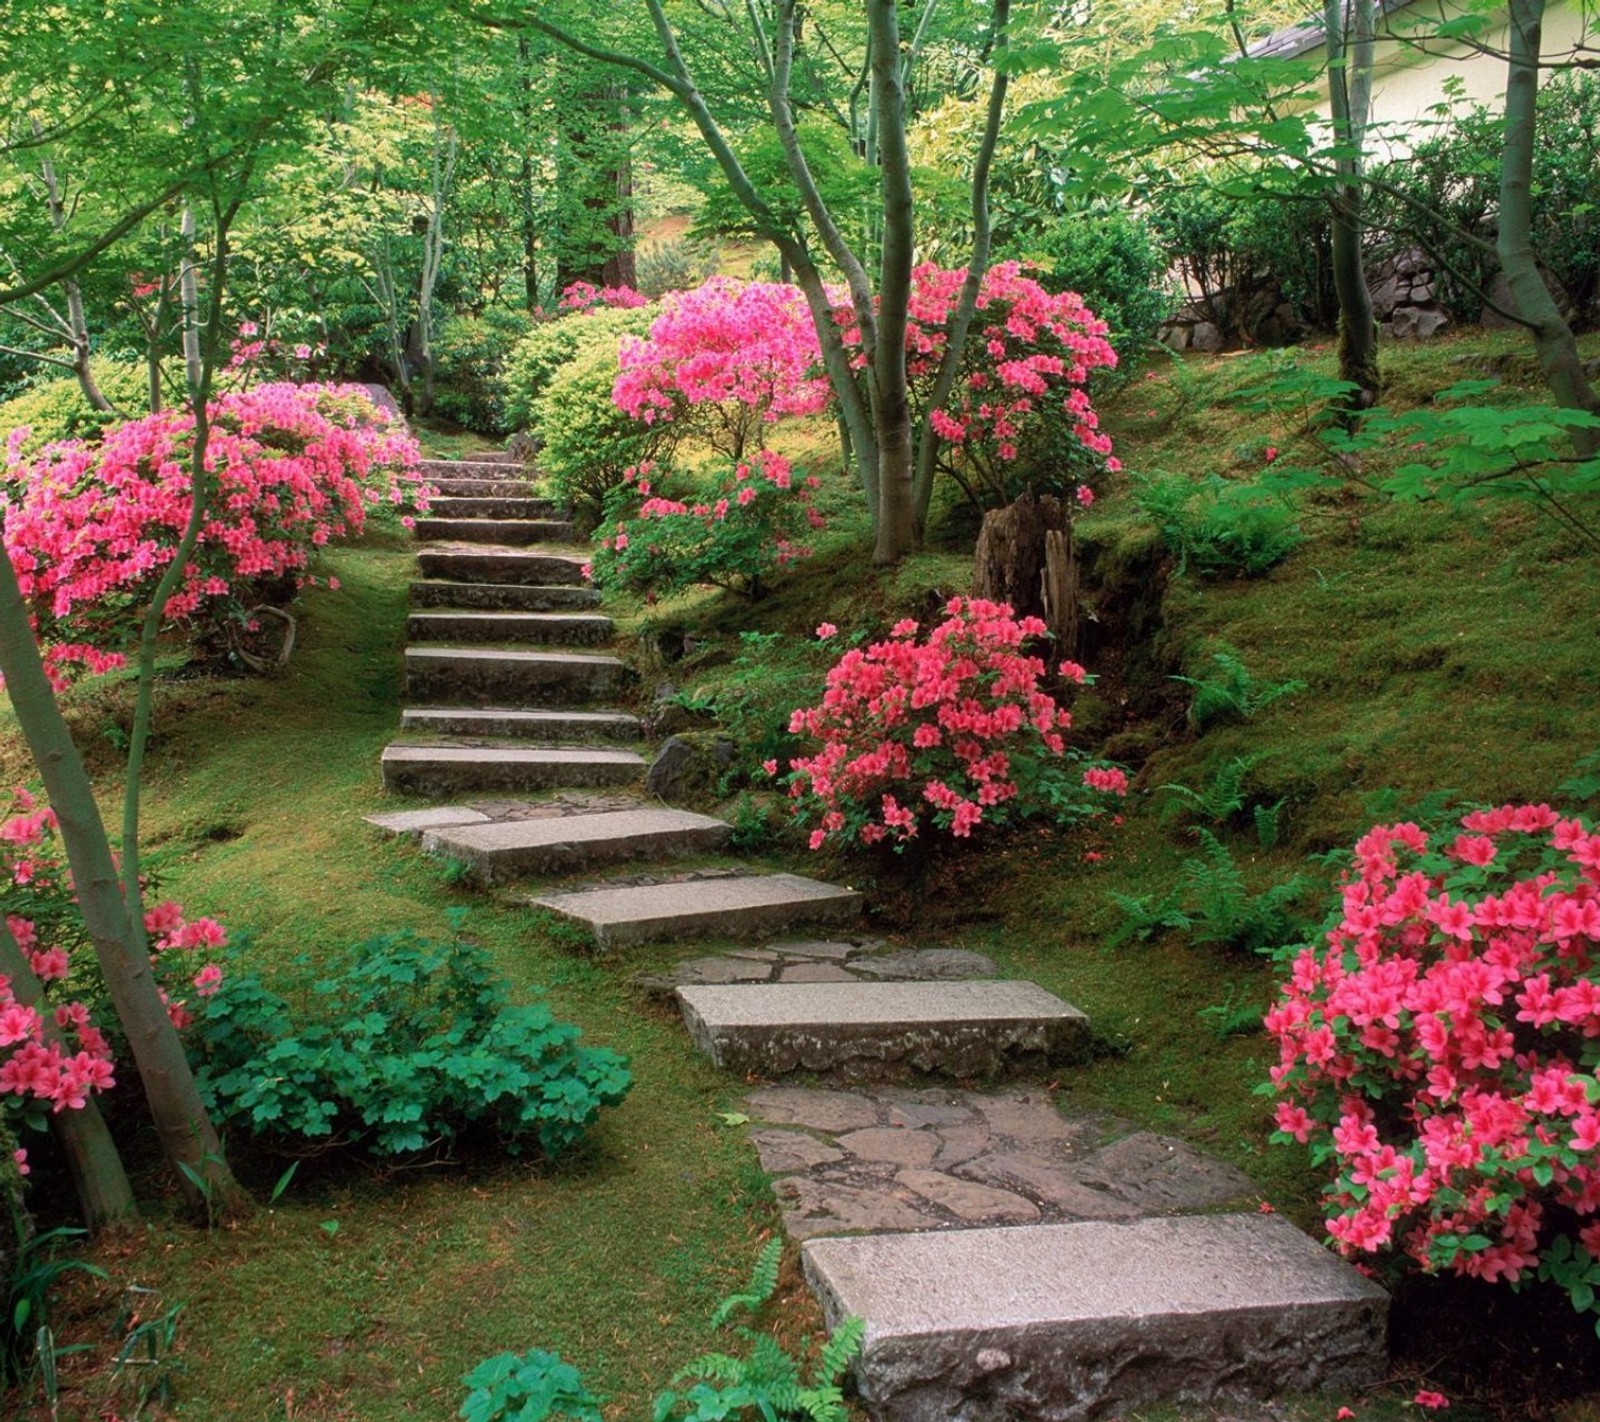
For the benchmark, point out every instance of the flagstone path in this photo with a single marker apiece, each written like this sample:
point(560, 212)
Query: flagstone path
point(1012, 1259)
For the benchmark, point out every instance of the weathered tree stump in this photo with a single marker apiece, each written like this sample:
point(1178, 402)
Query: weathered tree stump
point(1026, 557)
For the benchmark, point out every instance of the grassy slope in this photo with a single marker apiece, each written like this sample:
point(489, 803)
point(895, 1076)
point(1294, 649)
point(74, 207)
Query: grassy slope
point(1438, 649)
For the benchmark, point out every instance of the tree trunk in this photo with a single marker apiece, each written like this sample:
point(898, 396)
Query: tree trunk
point(1552, 336)
point(530, 226)
point(1025, 557)
point(1350, 25)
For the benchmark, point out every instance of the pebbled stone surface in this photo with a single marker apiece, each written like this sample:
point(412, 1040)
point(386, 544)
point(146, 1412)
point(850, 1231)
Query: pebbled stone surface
point(854, 959)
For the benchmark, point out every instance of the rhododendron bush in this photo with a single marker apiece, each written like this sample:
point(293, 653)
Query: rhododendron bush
point(736, 534)
point(1019, 410)
point(724, 360)
point(52, 1053)
point(91, 527)
point(952, 731)
point(1438, 1049)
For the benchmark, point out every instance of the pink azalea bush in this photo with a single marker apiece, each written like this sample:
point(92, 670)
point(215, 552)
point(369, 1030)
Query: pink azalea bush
point(725, 360)
point(1020, 401)
point(952, 731)
point(1438, 1049)
point(53, 1053)
point(90, 528)
point(586, 296)
point(750, 522)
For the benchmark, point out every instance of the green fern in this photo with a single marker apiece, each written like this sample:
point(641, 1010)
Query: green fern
point(1266, 820)
point(1223, 796)
point(1144, 916)
point(1231, 692)
point(763, 1284)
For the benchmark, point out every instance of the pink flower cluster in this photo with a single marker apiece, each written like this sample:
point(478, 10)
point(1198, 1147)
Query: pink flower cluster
point(1440, 1045)
point(53, 1052)
point(586, 296)
point(91, 527)
point(736, 354)
point(1026, 350)
point(940, 730)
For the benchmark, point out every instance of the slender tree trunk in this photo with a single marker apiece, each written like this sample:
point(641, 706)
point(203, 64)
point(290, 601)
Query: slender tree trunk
point(104, 1194)
point(1350, 37)
point(441, 178)
point(1552, 336)
point(525, 203)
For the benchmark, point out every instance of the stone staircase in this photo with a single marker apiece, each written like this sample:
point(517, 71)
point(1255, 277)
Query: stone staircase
point(1011, 1258)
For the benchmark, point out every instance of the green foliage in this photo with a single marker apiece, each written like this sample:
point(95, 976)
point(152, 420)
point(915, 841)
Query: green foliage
point(1222, 797)
point(470, 353)
point(1112, 261)
point(147, 1363)
point(677, 264)
point(1584, 782)
point(588, 442)
point(55, 409)
point(1218, 526)
point(1237, 1015)
point(552, 345)
point(40, 1265)
point(1444, 198)
point(1231, 692)
point(527, 1388)
point(405, 1048)
point(768, 1383)
point(1213, 904)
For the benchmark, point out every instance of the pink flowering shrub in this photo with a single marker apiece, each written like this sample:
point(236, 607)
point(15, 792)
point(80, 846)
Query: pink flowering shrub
point(723, 361)
point(1438, 1049)
point(748, 525)
point(90, 528)
point(53, 1053)
point(952, 731)
point(586, 296)
point(1020, 410)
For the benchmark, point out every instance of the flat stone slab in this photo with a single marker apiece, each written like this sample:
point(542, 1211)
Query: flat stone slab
point(1061, 1322)
point(482, 488)
point(860, 960)
point(523, 566)
point(957, 1028)
point(733, 905)
point(488, 676)
point(416, 821)
point(547, 846)
point(454, 504)
point(473, 625)
point(512, 531)
point(510, 723)
point(494, 597)
point(449, 770)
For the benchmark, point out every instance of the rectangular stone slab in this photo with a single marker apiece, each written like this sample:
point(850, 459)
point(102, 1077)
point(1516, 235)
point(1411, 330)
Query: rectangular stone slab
point(461, 625)
point(514, 531)
point(562, 842)
point(523, 566)
point(732, 907)
point(510, 722)
point(494, 596)
point(474, 676)
point(959, 1028)
point(455, 505)
point(1063, 1322)
point(449, 770)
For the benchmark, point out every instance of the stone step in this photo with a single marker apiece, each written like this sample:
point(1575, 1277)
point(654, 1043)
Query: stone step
point(1061, 1322)
point(514, 532)
point(732, 906)
point(566, 629)
point(483, 676)
point(511, 724)
point(524, 567)
point(491, 466)
point(499, 488)
point(505, 506)
point(559, 843)
point(959, 1029)
point(452, 770)
point(509, 597)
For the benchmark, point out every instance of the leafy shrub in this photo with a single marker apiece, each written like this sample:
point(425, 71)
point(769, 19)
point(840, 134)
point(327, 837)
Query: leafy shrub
point(470, 353)
point(735, 536)
point(1112, 261)
point(768, 1383)
point(551, 345)
point(55, 409)
point(405, 1048)
point(1231, 692)
point(676, 264)
point(1444, 198)
point(1438, 1049)
point(946, 733)
point(1218, 526)
point(92, 528)
point(1243, 251)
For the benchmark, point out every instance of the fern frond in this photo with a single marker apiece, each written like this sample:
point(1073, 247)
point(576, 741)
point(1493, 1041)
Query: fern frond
point(840, 1350)
point(763, 1284)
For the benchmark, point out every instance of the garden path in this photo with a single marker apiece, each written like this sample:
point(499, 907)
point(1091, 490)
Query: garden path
point(1009, 1257)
